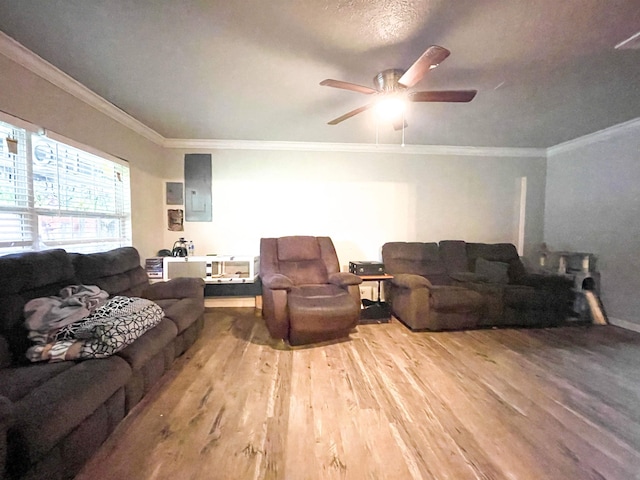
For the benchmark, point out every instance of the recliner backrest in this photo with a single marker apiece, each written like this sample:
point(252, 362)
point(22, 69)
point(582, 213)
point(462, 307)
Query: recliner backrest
point(419, 258)
point(304, 259)
point(497, 252)
point(454, 255)
point(24, 276)
point(116, 271)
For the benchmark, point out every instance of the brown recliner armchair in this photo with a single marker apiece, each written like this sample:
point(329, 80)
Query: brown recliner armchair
point(305, 297)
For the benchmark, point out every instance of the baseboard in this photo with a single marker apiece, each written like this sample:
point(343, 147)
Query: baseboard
point(626, 324)
point(230, 302)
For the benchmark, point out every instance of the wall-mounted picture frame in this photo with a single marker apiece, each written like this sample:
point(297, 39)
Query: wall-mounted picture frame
point(175, 220)
point(174, 193)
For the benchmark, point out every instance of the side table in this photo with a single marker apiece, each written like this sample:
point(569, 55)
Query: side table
point(375, 311)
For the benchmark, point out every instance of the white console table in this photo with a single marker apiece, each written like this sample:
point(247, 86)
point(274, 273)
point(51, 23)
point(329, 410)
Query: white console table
point(213, 269)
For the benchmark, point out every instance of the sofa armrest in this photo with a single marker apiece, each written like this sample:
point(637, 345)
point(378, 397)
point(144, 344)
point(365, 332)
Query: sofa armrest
point(344, 279)
point(183, 287)
point(6, 421)
point(410, 280)
point(277, 281)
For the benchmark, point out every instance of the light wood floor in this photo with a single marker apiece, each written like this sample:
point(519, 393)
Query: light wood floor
point(558, 403)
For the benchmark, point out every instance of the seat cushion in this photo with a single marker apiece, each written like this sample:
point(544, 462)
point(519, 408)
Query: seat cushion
point(445, 298)
point(320, 312)
point(150, 344)
point(52, 410)
point(521, 297)
point(18, 381)
point(183, 312)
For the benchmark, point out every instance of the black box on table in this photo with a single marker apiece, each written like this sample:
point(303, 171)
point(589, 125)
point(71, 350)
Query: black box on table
point(366, 268)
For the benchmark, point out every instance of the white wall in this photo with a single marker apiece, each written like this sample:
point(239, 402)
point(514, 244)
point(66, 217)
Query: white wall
point(362, 199)
point(26, 95)
point(593, 205)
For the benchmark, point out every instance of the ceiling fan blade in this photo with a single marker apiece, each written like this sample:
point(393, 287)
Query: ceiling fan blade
point(431, 58)
point(347, 86)
point(350, 114)
point(399, 124)
point(443, 96)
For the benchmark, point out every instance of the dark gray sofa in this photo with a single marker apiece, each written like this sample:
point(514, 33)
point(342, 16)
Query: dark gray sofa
point(54, 416)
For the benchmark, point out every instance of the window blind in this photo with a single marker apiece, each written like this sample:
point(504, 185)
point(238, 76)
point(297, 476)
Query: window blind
point(57, 195)
point(16, 217)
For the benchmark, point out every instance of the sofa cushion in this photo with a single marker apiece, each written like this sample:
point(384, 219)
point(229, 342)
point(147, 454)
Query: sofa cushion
point(520, 297)
point(300, 259)
point(183, 312)
point(497, 252)
point(494, 272)
point(5, 353)
point(24, 276)
point(517, 271)
point(150, 344)
point(415, 258)
point(305, 271)
point(298, 248)
point(117, 271)
point(320, 312)
point(446, 298)
point(465, 277)
point(454, 255)
point(16, 382)
point(51, 411)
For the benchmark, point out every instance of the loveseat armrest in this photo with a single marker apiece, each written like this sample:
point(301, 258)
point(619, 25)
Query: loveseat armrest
point(6, 421)
point(183, 287)
point(344, 279)
point(277, 281)
point(410, 280)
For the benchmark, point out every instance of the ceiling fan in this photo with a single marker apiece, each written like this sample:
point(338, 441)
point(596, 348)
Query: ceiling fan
point(395, 83)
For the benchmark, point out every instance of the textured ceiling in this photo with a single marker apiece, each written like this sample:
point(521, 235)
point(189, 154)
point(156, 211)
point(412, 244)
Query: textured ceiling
point(546, 71)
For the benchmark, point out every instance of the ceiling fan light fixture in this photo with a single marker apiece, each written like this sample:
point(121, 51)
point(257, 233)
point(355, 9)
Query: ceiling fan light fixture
point(390, 107)
point(393, 90)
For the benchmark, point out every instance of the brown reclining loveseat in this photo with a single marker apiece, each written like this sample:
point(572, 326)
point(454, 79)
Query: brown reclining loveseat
point(455, 284)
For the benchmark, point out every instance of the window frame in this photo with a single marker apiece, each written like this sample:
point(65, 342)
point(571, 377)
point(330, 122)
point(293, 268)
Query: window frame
point(115, 217)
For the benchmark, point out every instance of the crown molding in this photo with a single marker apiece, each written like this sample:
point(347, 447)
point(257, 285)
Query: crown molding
point(176, 143)
point(21, 55)
point(40, 67)
point(595, 137)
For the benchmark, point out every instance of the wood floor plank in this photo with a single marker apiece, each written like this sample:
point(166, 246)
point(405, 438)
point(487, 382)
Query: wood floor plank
point(531, 407)
point(387, 403)
point(582, 383)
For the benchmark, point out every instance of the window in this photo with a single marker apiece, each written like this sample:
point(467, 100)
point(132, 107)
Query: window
point(54, 195)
